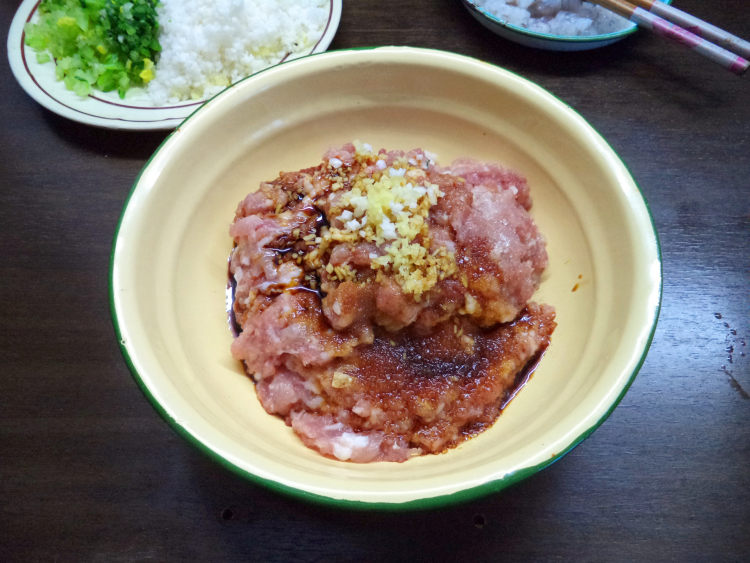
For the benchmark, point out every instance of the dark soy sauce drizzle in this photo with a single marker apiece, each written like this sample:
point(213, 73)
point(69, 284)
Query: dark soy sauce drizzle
point(284, 247)
point(522, 378)
point(234, 326)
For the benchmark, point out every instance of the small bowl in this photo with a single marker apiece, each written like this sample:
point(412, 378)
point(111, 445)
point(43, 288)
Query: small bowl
point(547, 41)
point(169, 263)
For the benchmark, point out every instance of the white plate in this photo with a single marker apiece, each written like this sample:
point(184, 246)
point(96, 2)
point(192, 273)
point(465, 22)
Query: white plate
point(106, 109)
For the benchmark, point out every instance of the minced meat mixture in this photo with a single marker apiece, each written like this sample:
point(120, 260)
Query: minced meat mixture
point(382, 301)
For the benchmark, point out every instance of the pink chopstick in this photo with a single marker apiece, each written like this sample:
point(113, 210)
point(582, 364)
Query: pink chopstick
point(697, 26)
point(661, 26)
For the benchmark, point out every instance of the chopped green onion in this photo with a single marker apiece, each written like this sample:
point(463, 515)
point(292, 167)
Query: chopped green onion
point(103, 44)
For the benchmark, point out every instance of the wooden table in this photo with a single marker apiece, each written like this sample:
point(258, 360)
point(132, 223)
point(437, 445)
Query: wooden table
point(90, 472)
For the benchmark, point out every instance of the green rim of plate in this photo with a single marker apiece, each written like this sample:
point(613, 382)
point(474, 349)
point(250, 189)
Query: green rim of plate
point(427, 503)
point(605, 37)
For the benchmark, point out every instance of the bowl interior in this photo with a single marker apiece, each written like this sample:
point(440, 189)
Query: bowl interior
point(169, 269)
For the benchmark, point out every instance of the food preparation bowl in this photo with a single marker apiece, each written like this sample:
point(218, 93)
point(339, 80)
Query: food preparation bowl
point(169, 263)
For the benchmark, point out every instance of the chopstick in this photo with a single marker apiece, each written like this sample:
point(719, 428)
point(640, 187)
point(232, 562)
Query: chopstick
point(660, 20)
point(697, 26)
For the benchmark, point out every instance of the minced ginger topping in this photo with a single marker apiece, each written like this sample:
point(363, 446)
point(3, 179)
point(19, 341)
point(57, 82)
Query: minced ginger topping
point(389, 207)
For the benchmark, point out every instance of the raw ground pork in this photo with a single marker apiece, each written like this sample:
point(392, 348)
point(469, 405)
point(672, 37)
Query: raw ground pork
point(382, 301)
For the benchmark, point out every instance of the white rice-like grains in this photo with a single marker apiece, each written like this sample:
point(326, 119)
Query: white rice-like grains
point(209, 44)
point(556, 17)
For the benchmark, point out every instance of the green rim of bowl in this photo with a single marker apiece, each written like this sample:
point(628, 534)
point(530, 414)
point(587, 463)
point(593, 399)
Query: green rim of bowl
point(605, 37)
point(440, 501)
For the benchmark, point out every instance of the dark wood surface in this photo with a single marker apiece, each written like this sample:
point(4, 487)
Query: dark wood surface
point(90, 472)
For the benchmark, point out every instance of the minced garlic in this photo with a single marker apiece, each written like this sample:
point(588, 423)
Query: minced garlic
point(341, 379)
point(389, 206)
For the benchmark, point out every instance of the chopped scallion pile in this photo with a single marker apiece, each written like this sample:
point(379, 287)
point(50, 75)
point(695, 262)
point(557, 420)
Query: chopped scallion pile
point(97, 44)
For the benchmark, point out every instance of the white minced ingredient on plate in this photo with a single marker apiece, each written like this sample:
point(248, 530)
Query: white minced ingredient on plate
point(556, 17)
point(209, 44)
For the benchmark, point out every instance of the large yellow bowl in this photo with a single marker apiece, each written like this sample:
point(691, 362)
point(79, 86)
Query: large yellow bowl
point(169, 264)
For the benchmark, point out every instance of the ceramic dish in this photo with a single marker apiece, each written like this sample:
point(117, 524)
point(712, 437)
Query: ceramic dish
point(545, 41)
point(169, 264)
point(106, 109)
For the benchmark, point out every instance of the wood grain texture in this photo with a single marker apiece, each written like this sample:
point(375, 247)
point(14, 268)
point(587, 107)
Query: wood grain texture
point(89, 472)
